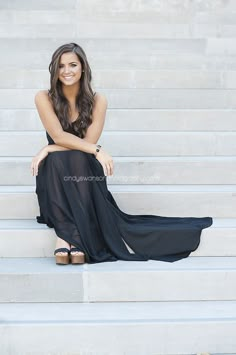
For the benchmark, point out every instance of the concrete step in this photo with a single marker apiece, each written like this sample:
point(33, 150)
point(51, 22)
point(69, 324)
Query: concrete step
point(134, 120)
point(161, 12)
point(120, 30)
point(137, 13)
point(85, 28)
point(38, 241)
point(33, 17)
point(40, 5)
point(176, 11)
point(118, 79)
point(119, 11)
point(124, 14)
point(219, 201)
point(160, 61)
point(141, 170)
point(111, 45)
point(225, 16)
point(107, 60)
point(190, 279)
point(136, 328)
point(127, 143)
point(32, 31)
point(198, 46)
point(88, 29)
point(138, 98)
point(220, 45)
point(121, 6)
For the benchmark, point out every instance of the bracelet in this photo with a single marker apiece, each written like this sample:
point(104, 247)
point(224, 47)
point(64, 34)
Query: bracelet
point(98, 149)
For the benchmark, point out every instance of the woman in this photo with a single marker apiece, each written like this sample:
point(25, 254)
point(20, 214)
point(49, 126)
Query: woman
point(71, 179)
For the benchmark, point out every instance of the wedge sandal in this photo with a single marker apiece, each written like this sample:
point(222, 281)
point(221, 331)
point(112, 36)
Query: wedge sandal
point(77, 259)
point(62, 259)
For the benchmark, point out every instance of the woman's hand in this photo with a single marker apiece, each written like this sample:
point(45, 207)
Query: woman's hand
point(37, 160)
point(106, 161)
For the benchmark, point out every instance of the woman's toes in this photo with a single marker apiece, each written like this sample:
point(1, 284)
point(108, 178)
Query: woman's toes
point(76, 253)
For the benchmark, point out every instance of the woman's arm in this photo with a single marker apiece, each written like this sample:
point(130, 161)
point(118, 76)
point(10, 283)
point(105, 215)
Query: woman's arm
point(42, 154)
point(94, 131)
point(67, 140)
point(53, 126)
point(54, 148)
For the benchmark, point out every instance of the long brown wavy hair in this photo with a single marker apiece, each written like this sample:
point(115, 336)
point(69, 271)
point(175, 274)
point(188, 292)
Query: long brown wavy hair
point(85, 97)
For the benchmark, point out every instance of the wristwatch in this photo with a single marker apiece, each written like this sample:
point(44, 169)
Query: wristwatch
point(98, 149)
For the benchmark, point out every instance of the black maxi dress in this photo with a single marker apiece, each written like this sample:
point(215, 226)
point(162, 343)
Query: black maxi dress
point(74, 199)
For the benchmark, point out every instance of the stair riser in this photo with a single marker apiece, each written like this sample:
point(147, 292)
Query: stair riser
point(140, 120)
point(180, 12)
point(138, 98)
point(128, 144)
point(171, 47)
point(168, 11)
point(40, 5)
point(131, 11)
point(112, 338)
point(33, 17)
point(133, 46)
point(145, 286)
point(118, 79)
point(120, 30)
point(142, 172)
point(106, 30)
point(195, 204)
point(214, 242)
point(110, 60)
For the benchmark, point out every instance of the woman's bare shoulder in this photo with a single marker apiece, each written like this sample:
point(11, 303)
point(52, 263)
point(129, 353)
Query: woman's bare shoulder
point(42, 95)
point(100, 99)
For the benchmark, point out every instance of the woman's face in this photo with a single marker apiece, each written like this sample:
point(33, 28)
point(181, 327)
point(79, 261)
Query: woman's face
point(70, 69)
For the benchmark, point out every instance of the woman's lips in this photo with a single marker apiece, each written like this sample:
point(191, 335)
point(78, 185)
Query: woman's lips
point(69, 77)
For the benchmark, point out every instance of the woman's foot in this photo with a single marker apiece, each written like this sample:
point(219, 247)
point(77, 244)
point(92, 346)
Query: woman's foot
point(62, 257)
point(76, 252)
point(77, 256)
point(62, 252)
point(61, 243)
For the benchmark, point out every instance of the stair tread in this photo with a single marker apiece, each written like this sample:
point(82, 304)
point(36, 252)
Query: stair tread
point(193, 311)
point(35, 265)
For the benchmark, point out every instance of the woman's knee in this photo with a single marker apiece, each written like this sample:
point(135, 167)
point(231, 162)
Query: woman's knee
point(54, 157)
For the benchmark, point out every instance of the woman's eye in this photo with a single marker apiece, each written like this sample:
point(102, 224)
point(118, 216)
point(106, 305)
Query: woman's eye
point(73, 65)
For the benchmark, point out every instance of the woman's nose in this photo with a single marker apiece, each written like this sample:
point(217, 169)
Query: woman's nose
point(66, 70)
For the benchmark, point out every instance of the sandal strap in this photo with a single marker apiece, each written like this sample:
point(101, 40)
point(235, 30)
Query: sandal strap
point(76, 249)
point(62, 250)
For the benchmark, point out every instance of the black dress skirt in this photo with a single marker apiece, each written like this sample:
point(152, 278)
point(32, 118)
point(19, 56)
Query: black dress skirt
point(74, 200)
